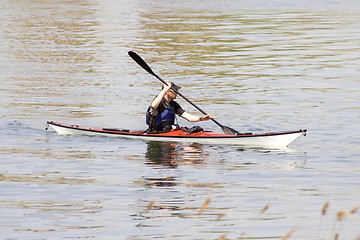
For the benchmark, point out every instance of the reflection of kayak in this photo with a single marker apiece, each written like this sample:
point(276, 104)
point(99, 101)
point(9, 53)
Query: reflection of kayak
point(274, 139)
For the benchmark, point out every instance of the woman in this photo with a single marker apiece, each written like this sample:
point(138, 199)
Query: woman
point(160, 116)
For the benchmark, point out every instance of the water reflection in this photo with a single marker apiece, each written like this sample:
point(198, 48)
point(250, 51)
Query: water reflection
point(171, 155)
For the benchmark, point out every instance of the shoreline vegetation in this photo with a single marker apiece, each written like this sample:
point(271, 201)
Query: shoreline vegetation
point(337, 231)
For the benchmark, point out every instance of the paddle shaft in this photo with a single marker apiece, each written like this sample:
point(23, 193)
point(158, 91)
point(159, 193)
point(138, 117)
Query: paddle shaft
point(188, 100)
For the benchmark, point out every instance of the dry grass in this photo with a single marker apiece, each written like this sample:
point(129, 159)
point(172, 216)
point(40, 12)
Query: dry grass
point(325, 208)
point(204, 206)
point(264, 209)
point(222, 237)
point(289, 234)
point(336, 233)
point(151, 205)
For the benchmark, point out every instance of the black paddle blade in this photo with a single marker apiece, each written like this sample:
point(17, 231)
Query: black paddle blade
point(228, 130)
point(141, 62)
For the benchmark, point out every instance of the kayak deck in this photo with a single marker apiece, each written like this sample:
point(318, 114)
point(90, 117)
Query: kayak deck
point(278, 139)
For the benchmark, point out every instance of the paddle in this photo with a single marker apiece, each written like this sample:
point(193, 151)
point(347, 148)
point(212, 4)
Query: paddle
point(144, 65)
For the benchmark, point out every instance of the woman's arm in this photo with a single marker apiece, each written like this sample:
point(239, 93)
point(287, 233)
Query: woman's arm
point(156, 102)
point(193, 118)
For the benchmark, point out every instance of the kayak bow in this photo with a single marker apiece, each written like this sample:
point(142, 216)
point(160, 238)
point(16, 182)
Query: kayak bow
point(273, 139)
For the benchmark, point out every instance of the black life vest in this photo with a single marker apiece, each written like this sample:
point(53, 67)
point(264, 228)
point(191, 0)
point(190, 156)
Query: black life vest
point(162, 121)
point(168, 115)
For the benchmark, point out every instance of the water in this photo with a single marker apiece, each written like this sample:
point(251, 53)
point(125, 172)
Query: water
point(256, 66)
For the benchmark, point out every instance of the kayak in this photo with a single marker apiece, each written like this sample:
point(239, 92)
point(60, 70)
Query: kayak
point(272, 139)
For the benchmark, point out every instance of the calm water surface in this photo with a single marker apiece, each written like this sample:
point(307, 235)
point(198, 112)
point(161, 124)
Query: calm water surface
point(256, 66)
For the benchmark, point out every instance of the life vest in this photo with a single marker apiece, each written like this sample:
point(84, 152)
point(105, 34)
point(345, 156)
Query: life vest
point(168, 115)
point(162, 121)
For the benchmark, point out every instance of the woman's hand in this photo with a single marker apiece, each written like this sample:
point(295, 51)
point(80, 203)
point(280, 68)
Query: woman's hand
point(206, 117)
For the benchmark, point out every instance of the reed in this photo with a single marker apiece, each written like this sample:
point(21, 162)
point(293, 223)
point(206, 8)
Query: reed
point(261, 212)
point(151, 205)
point(340, 217)
point(323, 213)
point(204, 206)
point(264, 209)
point(289, 234)
point(325, 208)
point(352, 214)
point(354, 210)
point(221, 215)
point(222, 237)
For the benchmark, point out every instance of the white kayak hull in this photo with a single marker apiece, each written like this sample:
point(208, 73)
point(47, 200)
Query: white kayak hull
point(277, 140)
